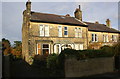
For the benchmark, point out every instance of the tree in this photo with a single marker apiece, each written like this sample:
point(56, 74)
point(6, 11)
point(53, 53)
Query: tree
point(117, 49)
point(17, 49)
point(6, 47)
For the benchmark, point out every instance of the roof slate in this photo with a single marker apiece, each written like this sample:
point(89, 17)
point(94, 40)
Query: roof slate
point(52, 18)
point(100, 28)
point(59, 19)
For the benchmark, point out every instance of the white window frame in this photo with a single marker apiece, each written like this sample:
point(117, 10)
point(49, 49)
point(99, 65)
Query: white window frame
point(105, 38)
point(76, 46)
point(46, 48)
point(94, 37)
point(44, 30)
point(78, 32)
point(114, 38)
point(81, 45)
point(66, 31)
point(38, 48)
point(59, 31)
point(41, 30)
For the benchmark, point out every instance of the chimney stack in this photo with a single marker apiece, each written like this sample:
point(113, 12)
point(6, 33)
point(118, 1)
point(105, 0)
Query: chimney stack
point(78, 13)
point(96, 22)
point(67, 15)
point(28, 7)
point(108, 23)
point(79, 6)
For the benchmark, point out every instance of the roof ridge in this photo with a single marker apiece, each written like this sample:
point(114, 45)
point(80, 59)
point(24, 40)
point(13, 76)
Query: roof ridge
point(50, 14)
point(93, 23)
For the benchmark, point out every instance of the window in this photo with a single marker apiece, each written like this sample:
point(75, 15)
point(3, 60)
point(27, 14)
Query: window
point(65, 31)
point(114, 39)
point(59, 31)
point(41, 30)
point(79, 46)
point(45, 49)
point(78, 32)
point(57, 48)
point(38, 49)
point(94, 38)
point(44, 30)
point(105, 38)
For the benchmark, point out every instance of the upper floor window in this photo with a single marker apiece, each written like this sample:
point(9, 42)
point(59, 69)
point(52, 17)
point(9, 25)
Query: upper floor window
point(105, 38)
point(94, 38)
point(114, 38)
point(59, 31)
point(78, 32)
point(65, 31)
point(44, 30)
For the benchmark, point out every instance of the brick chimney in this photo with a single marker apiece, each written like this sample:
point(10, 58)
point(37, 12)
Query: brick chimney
point(108, 23)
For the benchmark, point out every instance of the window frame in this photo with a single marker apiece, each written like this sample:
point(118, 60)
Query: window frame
point(59, 31)
point(66, 31)
point(78, 32)
point(44, 32)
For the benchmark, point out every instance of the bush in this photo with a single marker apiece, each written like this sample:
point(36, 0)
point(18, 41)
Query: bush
point(52, 61)
point(84, 54)
point(107, 51)
point(117, 49)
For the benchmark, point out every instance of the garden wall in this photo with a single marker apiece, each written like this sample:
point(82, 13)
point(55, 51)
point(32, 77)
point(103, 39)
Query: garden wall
point(79, 68)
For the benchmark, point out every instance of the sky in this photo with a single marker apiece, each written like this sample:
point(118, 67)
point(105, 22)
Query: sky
point(11, 14)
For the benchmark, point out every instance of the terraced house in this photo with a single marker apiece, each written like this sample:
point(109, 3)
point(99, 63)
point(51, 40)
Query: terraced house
point(44, 34)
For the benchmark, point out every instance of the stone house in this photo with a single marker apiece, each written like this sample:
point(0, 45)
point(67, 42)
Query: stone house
point(44, 34)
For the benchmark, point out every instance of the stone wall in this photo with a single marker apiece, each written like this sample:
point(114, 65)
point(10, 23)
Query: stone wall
point(79, 68)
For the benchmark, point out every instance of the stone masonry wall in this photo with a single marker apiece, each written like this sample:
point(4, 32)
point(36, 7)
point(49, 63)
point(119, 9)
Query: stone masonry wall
point(79, 68)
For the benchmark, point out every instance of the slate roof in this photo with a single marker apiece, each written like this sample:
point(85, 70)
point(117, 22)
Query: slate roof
point(52, 18)
point(68, 20)
point(100, 28)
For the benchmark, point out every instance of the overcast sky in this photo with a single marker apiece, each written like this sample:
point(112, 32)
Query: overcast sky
point(92, 11)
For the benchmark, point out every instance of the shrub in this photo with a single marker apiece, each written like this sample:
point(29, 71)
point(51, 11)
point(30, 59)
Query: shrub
point(52, 61)
point(107, 51)
point(117, 49)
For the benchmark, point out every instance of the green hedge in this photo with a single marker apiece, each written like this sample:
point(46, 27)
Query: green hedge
point(56, 62)
point(89, 53)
